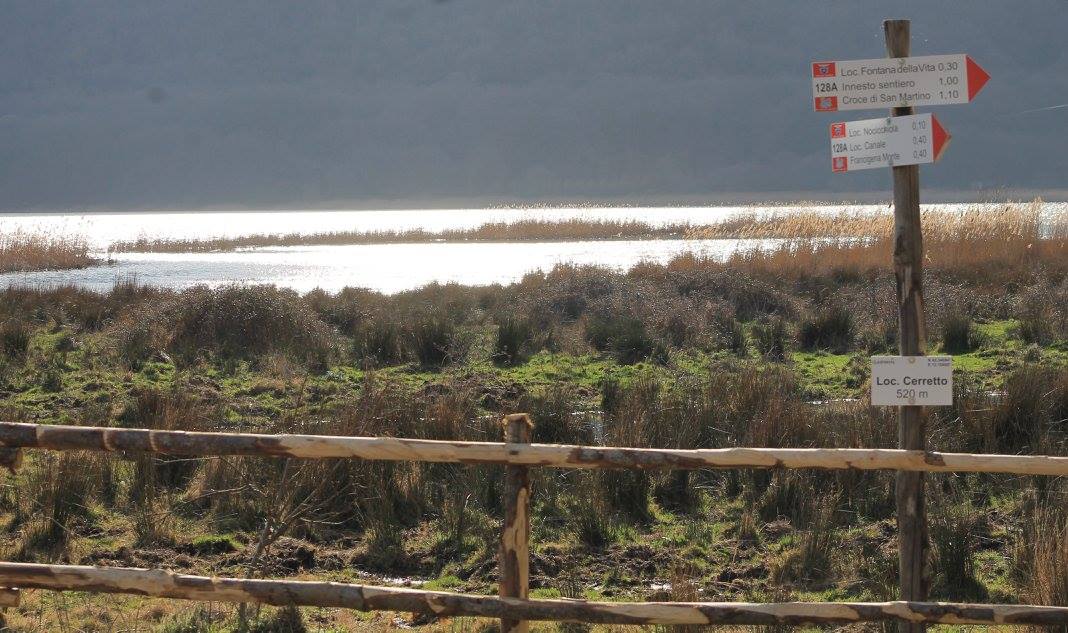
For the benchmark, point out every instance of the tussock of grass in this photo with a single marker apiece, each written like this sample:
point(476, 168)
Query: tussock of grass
point(23, 251)
point(1043, 556)
point(238, 322)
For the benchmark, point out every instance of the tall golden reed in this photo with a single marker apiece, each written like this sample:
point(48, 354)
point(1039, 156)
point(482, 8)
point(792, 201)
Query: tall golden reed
point(534, 230)
point(978, 240)
point(22, 251)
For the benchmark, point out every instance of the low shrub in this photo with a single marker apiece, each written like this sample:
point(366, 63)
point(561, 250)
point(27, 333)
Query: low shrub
point(728, 332)
point(432, 338)
point(51, 377)
point(516, 340)
point(231, 322)
point(1043, 313)
point(1041, 555)
point(959, 334)
point(770, 338)
point(199, 619)
point(626, 493)
point(56, 499)
point(955, 533)
point(283, 620)
point(812, 559)
point(15, 338)
point(749, 296)
point(878, 338)
point(676, 491)
point(831, 329)
point(210, 544)
point(377, 342)
point(1035, 329)
point(1030, 415)
point(349, 309)
point(557, 422)
point(589, 515)
point(625, 337)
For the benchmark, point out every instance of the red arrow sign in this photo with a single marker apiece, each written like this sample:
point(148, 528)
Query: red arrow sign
point(977, 77)
point(940, 136)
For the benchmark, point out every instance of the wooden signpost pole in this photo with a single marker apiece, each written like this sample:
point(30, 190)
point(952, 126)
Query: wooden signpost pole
point(908, 271)
point(515, 536)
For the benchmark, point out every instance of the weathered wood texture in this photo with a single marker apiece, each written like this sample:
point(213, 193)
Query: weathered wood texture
point(66, 438)
point(514, 555)
point(912, 338)
point(366, 598)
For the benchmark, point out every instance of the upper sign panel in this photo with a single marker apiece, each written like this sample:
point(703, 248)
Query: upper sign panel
point(862, 84)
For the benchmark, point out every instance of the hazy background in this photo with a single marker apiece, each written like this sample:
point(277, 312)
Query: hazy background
point(126, 105)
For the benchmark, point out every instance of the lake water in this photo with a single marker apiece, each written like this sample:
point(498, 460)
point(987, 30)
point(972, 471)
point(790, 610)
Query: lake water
point(383, 267)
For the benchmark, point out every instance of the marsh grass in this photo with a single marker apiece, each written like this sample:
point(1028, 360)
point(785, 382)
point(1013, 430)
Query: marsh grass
point(1023, 220)
point(25, 251)
point(14, 339)
point(576, 229)
point(977, 243)
point(832, 328)
point(57, 503)
point(981, 223)
point(956, 530)
point(235, 322)
point(1042, 556)
point(959, 334)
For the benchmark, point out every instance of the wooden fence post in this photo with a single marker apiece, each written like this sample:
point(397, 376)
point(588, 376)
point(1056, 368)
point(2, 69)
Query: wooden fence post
point(912, 340)
point(514, 555)
point(10, 458)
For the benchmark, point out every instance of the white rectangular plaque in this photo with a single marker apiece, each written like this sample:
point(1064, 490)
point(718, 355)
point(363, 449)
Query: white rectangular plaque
point(911, 381)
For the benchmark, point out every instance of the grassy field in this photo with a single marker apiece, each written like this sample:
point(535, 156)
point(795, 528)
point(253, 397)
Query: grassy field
point(764, 350)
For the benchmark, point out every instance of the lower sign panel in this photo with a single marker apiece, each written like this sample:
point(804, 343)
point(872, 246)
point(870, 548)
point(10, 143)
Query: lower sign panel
point(911, 380)
point(886, 142)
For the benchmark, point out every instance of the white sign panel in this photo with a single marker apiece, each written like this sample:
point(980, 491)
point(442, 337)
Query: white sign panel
point(911, 380)
point(863, 84)
point(886, 142)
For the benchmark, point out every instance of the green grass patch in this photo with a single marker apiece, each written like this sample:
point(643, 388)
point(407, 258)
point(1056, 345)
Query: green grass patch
point(823, 375)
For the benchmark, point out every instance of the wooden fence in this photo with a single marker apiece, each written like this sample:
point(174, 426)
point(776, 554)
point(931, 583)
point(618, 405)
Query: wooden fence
point(512, 607)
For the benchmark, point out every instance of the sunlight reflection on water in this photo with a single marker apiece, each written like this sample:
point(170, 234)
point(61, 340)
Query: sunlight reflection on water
point(384, 267)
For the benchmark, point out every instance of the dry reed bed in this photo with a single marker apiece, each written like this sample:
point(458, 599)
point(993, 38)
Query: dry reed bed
point(809, 233)
point(25, 251)
point(977, 241)
point(1023, 220)
point(522, 231)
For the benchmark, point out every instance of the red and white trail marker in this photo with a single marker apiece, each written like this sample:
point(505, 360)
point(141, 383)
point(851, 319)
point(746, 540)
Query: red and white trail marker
point(886, 142)
point(895, 82)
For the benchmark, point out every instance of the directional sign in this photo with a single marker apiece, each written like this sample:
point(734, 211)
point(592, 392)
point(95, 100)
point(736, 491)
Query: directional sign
point(886, 142)
point(895, 82)
point(911, 380)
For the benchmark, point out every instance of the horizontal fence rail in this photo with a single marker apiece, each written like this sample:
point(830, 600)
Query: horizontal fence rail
point(166, 584)
point(511, 607)
point(65, 438)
